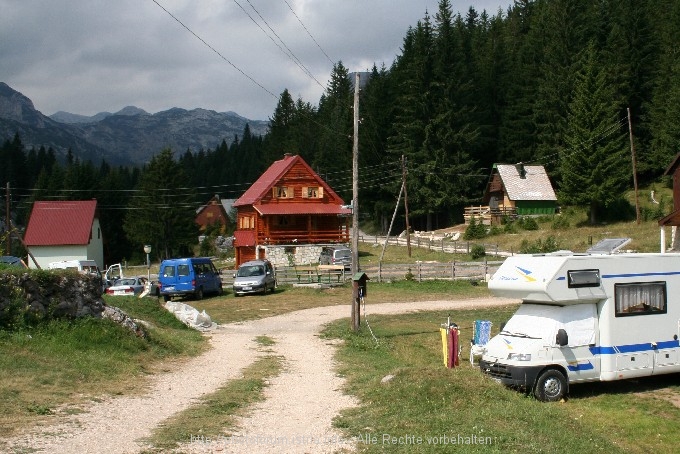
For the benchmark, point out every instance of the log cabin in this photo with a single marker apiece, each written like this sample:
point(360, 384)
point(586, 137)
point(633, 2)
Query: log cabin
point(288, 215)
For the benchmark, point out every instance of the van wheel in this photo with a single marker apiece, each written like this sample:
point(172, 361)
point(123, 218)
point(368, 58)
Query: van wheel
point(220, 290)
point(551, 386)
point(199, 294)
point(167, 298)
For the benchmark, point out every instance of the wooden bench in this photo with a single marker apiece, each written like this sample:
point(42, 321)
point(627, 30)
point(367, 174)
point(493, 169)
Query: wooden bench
point(306, 274)
point(330, 271)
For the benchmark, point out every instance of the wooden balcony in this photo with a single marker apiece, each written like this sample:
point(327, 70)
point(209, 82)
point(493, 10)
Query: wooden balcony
point(488, 215)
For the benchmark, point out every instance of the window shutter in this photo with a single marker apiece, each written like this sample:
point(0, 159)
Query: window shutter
point(305, 193)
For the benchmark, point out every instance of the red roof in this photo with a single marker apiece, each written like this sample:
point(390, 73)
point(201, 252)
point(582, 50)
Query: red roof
point(60, 223)
point(301, 208)
point(244, 238)
point(273, 175)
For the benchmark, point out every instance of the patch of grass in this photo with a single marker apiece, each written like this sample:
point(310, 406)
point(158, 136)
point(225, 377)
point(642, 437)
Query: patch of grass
point(61, 362)
point(286, 298)
point(427, 402)
point(216, 413)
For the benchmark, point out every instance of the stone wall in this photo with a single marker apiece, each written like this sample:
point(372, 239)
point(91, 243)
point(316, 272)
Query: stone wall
point(293, 255)
point(57, 294)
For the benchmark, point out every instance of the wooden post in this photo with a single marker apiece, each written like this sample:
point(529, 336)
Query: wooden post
point(355, 207)
point(632, 152)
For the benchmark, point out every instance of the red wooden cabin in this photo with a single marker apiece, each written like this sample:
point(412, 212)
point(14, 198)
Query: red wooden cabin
point(289, 208)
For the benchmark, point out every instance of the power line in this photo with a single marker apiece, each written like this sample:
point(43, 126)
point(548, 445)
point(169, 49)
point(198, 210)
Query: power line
point(290, 53)
point(214, 50)
point(308, 33)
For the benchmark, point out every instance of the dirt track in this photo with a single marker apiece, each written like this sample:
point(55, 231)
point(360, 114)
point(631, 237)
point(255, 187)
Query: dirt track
point(295, 417)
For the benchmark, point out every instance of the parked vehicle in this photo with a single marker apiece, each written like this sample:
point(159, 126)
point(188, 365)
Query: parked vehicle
point(10, 260)
point(255, 276)
point(188, 277)
point(130, 286)
point(336, 256)
point(583, 318)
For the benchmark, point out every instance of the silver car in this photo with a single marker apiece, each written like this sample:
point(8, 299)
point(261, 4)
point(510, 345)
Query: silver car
point(255, 276)
point(336, 256)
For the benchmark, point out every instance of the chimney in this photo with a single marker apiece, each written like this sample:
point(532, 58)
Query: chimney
point(520, 170)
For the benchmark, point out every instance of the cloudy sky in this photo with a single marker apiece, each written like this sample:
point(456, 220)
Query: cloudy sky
point(89, 56)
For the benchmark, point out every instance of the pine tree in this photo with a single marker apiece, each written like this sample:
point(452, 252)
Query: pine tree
point(595, 165)
point(163, 210)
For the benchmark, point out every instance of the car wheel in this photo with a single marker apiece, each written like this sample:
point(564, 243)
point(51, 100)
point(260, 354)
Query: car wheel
point(167, 298)
point(199, 294)
point(551, 386)
point(220, 290)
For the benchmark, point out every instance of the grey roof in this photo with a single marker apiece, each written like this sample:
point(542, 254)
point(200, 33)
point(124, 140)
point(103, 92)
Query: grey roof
point(535, 186)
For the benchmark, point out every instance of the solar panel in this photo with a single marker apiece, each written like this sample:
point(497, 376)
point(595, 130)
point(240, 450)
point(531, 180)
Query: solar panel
point(608, 246)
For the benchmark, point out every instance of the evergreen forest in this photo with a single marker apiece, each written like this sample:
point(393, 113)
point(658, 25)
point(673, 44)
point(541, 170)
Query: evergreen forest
point(572, 85)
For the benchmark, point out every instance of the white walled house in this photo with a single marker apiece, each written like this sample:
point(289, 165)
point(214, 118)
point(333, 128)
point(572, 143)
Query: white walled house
point(64, 230)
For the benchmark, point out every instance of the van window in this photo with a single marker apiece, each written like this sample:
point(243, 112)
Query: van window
point(640, 298)
point(168, 271)
point(583, 278)
point(182, 270)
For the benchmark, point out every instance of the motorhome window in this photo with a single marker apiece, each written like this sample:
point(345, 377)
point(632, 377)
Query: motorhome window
point(640, 298)
point(183, 270)
point(583, 278)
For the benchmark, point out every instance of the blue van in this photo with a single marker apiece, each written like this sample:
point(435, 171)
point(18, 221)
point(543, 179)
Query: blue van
point(188, 277)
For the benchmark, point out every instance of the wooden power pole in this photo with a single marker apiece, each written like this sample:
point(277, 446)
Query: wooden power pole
point(403, 182)
point(8, 218)
point(356, 307)
point(635, 184)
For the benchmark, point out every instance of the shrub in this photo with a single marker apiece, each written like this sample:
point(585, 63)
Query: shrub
point(560, 223)
point(475, 230)
point(528, 223)
point(478, 251)
point(539, 246)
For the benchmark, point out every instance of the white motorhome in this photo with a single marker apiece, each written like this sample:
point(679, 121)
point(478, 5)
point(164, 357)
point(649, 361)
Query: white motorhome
point(585, 317)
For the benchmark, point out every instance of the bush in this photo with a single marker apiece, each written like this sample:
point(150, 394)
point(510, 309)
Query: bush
point(475, 230)
point(539, 246)
point(528, 223)
point(478, 251)
point(560, 223)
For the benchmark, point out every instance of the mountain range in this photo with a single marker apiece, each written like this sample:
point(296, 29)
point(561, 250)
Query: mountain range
point(129, 137)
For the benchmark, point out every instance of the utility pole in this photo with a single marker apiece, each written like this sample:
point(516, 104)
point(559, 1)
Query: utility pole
point(403, 182)
point(356, 308)
point(635, 184)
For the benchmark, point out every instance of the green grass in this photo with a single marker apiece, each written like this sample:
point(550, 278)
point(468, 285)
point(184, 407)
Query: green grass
point(427, 401)
point(286, 298)
point(60, 363)
point(215, 414)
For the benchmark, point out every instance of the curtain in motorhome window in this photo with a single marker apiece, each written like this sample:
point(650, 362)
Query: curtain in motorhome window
point(640, 298)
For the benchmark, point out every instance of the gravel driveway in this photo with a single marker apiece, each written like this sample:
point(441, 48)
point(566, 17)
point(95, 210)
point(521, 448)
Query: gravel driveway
point(296, 415)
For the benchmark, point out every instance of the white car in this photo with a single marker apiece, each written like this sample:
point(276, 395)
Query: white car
point(130, 286)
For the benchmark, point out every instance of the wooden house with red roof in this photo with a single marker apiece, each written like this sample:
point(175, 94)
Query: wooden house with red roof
point(64, 230)
point(288, 215)
point(213, 212)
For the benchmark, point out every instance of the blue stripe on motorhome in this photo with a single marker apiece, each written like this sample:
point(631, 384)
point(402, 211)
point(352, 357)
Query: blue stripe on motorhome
point(581, 366)
point(632, 348)
point(614, 276)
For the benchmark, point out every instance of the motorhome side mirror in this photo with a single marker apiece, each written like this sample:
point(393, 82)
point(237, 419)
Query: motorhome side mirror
point(562, 338)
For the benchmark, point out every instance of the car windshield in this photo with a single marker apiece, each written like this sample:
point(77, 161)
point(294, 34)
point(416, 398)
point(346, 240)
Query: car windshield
point(250, 270)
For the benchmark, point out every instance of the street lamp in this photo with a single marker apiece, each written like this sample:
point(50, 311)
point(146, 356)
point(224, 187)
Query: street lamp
point(147, 249)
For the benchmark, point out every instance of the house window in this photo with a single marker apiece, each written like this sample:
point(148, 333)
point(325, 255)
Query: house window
point(641, 298)
point(312, 192)
point(282, 192)
point(246, 222)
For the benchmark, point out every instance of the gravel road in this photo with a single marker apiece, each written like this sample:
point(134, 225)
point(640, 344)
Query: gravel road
point(295, 417)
